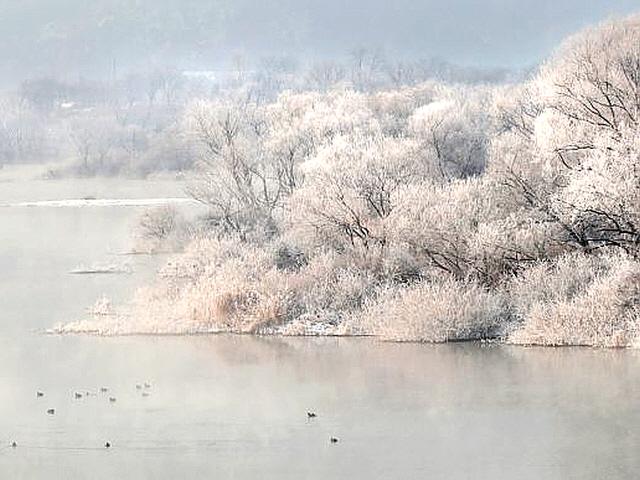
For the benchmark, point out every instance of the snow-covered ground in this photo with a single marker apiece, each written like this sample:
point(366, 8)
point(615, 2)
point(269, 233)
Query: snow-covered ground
point(102, 268)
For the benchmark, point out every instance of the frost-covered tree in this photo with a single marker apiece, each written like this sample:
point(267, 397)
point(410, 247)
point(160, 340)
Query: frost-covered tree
point(592, 87)
point(325, 75)
point(235, 179)
point(454, 132)
point(95, 139)
point(577, 122)
point(349, 192)
point(22, 131)
point(602, 198)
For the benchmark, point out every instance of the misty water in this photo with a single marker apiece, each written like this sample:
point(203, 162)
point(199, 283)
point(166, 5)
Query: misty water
point(236, 406)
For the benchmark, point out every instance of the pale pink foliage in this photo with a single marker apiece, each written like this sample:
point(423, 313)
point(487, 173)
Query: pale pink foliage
point(427, 213)
point(442, 311)
point(579, 300)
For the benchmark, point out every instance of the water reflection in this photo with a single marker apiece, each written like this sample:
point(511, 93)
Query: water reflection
point(238, 404)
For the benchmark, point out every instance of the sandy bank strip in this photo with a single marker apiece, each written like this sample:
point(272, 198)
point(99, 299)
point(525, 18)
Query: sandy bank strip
point(103, 202)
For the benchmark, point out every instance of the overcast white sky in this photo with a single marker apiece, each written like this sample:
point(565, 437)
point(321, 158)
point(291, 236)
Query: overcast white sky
point(83, 36)
point(506, 32)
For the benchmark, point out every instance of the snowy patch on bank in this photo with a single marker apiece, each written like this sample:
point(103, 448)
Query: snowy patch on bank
point(120, 324)
point(103, 202)
point(98, 268)
point(123, 324)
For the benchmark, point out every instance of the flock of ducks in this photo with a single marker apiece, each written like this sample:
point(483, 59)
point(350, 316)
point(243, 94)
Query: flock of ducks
point(145, 393)
point(78, 395)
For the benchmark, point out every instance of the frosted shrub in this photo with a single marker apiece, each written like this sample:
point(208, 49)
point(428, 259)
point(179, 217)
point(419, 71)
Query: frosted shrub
point(453, 132)
point(102, 307)
point(228, 286)
point(436, 222)
point(168, 150)
point(506, 245)
point(160, 229)
point(231, 298)
point(289, 258)
point(98, 142)
point(320, 117)
point(466, 228)
point(515, 109)
point(393, 108)
point(553, 281)
point(326, 292)
point(248, 293)
point(329, 285)
point(449, 310)
point(217, 285)
point(578, 300)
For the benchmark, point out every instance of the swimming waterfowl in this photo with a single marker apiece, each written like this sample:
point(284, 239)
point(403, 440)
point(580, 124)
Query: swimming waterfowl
point(145, 394)
point(311, 415)
point(147, 385)
point(107, 445)
point(112, 399)
point(51, 411)
point(138, 387)
point(104, 389)
point(333, 440)
point(77, 395)
point(39, 394)
point(14, 444)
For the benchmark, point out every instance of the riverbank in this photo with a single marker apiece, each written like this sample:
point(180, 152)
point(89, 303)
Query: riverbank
point(576, 300)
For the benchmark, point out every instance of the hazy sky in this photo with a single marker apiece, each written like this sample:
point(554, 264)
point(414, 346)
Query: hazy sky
point(84, 36)
point(504, 32)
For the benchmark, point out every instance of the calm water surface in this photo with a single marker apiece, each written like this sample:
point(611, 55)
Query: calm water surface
point(235, 407)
